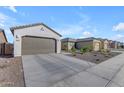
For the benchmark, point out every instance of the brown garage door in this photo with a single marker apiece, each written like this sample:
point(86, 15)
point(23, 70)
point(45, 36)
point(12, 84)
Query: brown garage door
point(37, 45)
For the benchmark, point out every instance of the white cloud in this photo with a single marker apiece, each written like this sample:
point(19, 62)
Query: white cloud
point(76, 29)
point(70, 30)
point(12, 8)
point(118, 37)
point(3, 17)
point(2, 25)
point(80, 29)
point(6, 22)
point(118, 27)
point(87, 34)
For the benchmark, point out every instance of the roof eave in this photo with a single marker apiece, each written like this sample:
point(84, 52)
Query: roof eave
point(14, 28)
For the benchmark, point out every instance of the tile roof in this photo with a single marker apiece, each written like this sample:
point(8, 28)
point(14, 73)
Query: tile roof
point(30, 25)
point(86, 39)
point(69, 39)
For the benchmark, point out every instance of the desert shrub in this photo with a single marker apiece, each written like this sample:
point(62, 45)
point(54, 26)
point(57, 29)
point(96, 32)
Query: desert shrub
point(102, 51)
point(73, 50)
point(65, 46)
point(108, 51)
point(85, 49)
point(89, 48)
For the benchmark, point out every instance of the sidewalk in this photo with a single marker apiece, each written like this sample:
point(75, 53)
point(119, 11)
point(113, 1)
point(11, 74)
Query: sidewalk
point(107, 74)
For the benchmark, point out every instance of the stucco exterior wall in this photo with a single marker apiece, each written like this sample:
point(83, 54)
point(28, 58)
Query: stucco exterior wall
point(70, 45)
point(98, 44)
point(83, 43)
point(64, 45)
point(105, 44)
point(67, 45)
point(2, 38)
point(114, 45)
point(33, 31)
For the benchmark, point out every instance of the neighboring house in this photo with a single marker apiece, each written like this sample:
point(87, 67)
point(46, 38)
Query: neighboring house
point(93, 42)
point(3, 38)
point(3, 41)
point(67, 43)
point(110, 43)
point(122, 45)
point(119, 45)
point(35, 39)
point(105, 44)
point(113, 44)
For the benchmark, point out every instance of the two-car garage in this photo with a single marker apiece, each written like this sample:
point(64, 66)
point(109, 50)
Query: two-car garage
point(35, 39)
point(37, 45)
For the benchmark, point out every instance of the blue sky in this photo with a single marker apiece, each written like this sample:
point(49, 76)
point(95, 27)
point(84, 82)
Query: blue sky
point(74, 22)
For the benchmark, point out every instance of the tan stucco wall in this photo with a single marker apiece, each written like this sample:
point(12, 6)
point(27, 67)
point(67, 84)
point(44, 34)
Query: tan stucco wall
point(64, 45)
point(70, 45)
point(33, 31)
point(2, 38)
point(105, 44)
point(96, 42)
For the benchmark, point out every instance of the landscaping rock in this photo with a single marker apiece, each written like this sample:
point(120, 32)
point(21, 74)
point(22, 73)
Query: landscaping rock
point(95, 57)
point(11, 72)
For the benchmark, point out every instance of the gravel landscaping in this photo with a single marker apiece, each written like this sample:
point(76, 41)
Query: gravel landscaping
point(11, 72)
point(95, 57)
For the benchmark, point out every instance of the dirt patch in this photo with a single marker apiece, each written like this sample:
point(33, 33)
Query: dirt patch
point(11, 72)
point(95, 57)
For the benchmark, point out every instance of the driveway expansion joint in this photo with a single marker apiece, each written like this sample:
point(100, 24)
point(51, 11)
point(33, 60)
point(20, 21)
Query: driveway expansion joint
point(115, 74)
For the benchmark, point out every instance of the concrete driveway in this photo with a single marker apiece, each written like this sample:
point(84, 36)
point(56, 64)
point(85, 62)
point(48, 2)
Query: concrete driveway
point(49, 69)
point(59, 70)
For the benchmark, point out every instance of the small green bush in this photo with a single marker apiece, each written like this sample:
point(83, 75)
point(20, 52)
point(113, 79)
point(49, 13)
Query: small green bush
point(89, 48)
point(82, 50)
point(73, 50)
point(102, 51)
point(85, 49)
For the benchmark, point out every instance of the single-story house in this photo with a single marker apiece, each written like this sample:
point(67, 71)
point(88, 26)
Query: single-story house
point(35, 38)
point(110, 43)
point(5, 47)
point(113, 44)
point(122, 45)
point(3, 38)
point(93, 42)
point(67, 43)
point(116, 44)
point(105, 44)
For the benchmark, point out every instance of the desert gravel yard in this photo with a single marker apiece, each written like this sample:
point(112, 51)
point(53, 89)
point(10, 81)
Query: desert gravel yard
point(95, 57)
point(11, 73)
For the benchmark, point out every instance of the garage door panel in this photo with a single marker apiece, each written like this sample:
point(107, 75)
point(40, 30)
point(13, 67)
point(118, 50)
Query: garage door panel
point(34, 45)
